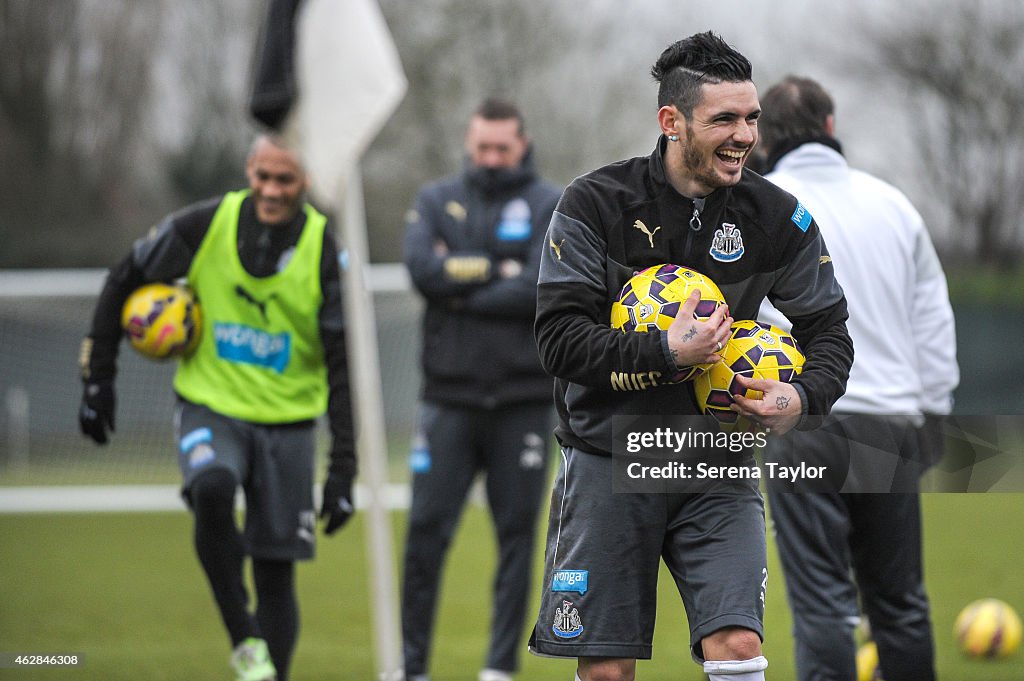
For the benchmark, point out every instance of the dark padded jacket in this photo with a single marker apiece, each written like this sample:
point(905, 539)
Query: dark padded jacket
point(478, 345)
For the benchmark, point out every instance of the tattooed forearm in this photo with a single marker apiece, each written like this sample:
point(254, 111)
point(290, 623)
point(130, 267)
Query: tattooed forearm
point(685, 338)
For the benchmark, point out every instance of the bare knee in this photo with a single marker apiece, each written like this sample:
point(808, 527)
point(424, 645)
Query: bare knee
point(606, 669)
point(731, 643)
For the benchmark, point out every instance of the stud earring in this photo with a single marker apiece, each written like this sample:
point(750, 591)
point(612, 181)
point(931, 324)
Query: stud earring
point(673, 138)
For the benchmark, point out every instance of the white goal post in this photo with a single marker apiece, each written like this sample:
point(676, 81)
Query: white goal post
point(44, 314)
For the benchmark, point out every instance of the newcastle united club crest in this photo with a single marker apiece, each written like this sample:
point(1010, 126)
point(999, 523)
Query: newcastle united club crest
point(727, 244)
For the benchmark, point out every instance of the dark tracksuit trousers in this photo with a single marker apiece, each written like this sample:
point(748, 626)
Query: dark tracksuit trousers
point(834, 547)
point(511, 446)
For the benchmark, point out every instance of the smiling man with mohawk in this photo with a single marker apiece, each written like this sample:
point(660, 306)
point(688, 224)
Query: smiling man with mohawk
point(689, 203)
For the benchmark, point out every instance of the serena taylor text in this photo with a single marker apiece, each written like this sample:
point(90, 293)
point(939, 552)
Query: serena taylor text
point(677, 470)
point(671, 440)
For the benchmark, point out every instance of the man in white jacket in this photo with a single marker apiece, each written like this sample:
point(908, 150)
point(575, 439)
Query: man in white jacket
point(903, 374)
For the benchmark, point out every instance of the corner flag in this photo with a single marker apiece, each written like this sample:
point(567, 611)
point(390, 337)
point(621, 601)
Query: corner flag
point(331, 93)
point(328, 78)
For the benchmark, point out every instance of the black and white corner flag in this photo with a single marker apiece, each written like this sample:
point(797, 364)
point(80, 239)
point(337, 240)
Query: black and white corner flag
point(327, 77)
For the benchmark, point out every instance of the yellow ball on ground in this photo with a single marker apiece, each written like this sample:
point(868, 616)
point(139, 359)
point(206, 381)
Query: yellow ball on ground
point(988, 628)
point(867, 663)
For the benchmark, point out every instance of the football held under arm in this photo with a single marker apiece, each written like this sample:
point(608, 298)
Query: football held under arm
point(163, 254)
point(572, 326)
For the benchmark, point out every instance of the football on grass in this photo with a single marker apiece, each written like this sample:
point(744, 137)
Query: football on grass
point(867, 663)
point(988, 628)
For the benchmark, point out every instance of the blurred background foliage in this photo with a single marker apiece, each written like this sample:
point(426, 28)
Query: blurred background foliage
point(114, 112)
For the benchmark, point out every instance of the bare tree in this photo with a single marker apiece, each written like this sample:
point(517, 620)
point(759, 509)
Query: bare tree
point(31, 167)
point(207, 127)
point(959, 70)
point(28, 47)
point(577, 104)
point(113, 112)
point(71, 106)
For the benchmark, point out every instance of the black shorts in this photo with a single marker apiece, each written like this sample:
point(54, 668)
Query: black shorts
point(272, 463)
point(603, 556)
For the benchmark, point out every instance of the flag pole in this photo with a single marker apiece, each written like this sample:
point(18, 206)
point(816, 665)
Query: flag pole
point(364, 366)
point(328, 78)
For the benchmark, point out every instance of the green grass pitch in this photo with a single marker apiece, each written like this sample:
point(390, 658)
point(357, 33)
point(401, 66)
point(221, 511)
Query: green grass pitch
point(127, 592)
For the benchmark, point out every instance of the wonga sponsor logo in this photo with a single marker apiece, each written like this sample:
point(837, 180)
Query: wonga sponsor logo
point(801, 217)
point(195, 437)
point(246, 345)
point(570, 580)
point(196, 447)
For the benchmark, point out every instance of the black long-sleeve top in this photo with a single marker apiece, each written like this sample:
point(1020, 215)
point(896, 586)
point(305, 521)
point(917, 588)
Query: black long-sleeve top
point(752, 239)
point(166, 254)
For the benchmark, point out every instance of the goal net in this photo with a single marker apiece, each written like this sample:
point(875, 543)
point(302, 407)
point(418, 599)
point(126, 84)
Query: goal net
point(43, 316)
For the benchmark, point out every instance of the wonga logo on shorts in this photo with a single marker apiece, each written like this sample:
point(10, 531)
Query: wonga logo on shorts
point(246, 345)
point(570, 580)
point(196, 447)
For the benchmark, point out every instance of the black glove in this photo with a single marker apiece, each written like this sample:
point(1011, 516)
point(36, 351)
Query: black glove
point(96, 413)
point(337, 504)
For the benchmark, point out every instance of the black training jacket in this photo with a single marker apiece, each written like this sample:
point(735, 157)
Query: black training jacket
point(462, 233)
point(753, 239)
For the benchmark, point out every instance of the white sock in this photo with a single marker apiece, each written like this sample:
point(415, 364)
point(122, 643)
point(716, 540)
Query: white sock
point(736, 670)
point(488, 674)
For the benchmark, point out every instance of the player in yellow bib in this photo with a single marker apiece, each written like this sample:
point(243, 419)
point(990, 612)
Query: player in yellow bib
point(264, 266)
